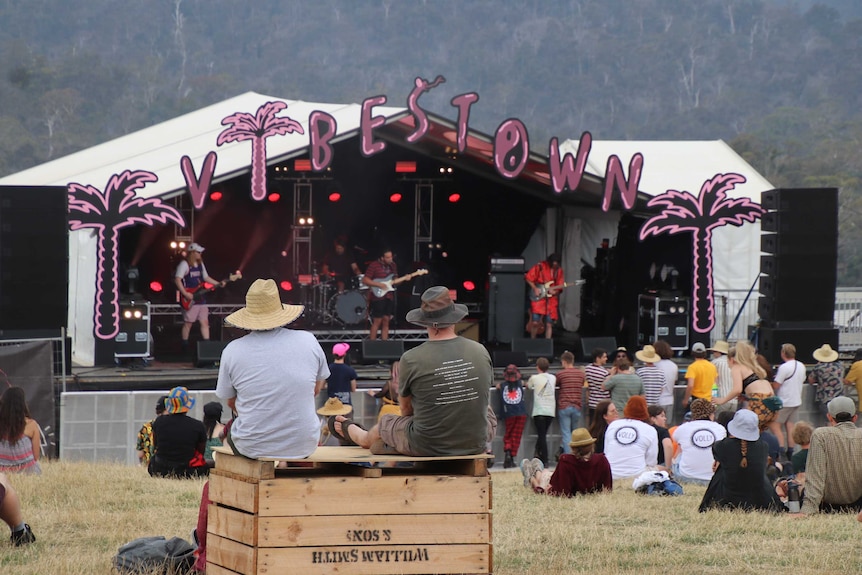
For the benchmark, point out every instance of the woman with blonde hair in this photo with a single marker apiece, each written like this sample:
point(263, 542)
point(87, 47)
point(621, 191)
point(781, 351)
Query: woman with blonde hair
point(750, 378)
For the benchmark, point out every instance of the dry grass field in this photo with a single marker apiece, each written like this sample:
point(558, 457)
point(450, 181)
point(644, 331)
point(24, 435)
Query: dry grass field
point(81, 513)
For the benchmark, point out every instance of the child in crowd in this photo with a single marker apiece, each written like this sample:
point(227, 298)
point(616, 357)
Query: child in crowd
point(342, 379)
point(543, 385)
point(514, 413)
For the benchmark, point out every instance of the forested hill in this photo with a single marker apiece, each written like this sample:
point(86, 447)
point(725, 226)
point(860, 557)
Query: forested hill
point(780, 80)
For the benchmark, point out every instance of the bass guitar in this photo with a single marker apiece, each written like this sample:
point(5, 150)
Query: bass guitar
point(391, 282)
point(548, 289)
point(200, 291)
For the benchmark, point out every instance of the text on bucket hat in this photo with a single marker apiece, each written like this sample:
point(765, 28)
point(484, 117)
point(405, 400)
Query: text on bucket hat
point(720, 346)
point(647, 354)
point(581, 437)
point(333, 406)
point(340, 349)
point(196, 247)
point(825, 353)
point(437, 309)
point(841, 404)
point(179, 401)
point(636, 408)
point(702, 408)
point(744, 425)
point(263, 308)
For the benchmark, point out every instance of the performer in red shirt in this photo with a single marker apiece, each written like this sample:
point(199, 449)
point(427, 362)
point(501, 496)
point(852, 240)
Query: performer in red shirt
point(546, 279)
point(382, 307)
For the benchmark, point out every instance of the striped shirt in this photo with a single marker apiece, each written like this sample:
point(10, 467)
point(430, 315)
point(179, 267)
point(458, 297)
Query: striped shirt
point(833, 474)
point(595, 375)
point(653, 379)
point(570, 382)
point(725, 380)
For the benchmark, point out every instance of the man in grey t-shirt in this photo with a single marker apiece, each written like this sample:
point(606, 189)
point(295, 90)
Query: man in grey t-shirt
point(444, 390)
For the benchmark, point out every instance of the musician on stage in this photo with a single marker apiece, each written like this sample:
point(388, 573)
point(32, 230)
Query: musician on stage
point(546, 280)
point(190, 275)
point(340, 265)
point(381, 308)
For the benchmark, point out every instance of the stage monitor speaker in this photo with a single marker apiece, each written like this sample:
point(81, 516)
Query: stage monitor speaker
point(133, 339)
point(503, 358)
point(382, 349)
point(588, 344)
point(507, 296)
point(209, 352)
point(539, 347)
point(806, 340)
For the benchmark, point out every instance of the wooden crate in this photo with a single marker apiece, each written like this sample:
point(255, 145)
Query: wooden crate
point(340, 518)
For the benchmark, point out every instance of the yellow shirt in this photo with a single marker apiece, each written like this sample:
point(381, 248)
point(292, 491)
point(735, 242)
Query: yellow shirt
point(704, 374)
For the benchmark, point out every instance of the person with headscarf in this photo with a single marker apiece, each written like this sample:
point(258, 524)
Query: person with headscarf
point(631, 443)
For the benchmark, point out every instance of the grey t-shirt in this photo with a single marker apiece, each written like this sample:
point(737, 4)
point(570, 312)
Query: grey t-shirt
point(448, 382)
point(622, 386)
point(272, 374)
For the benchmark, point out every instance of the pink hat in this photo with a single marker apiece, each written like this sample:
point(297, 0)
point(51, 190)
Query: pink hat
point(340, 349)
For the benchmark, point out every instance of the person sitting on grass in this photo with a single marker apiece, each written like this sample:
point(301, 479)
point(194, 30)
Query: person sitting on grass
point(10, 513)
point(802, 437)
point(604, 414)
point(631, 443)
point(581, 471)
point(179, 440)
point(695, 439)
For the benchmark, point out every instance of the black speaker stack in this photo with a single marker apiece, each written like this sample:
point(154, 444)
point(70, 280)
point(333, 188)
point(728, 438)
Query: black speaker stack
point(798, 271)
point(507, 295)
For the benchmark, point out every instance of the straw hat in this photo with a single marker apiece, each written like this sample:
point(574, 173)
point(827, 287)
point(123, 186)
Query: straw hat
point(333, 406)
point(581, 437)
point(825, 353)
point(179, 401)
point(720, 346)
point(647, 354)
point(263, 309)
point(437, 309)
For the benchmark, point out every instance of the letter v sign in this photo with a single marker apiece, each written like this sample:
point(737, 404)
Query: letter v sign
point(199, 188)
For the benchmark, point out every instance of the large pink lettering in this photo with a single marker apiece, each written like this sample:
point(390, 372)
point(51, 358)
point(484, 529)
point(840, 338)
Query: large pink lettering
point(616, 179)
point(567, 175)
point(420, 87)
point(367, 123)
point(198, 188)
point(511, 148)
point(322, 128)
point(463, 103)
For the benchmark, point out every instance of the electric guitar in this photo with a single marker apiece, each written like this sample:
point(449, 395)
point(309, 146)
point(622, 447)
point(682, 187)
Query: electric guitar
point(200, 291)
point(391, 283)
point(548, 289)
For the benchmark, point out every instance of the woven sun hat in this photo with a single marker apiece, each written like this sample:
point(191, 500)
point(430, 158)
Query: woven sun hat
point(437, 309)
point(179, 401)
point(719, 346)
point(581, 437)
point(196, 247)
point(744, 425)
point(333, 406)
point(263, 309)
point(825, 353)
point(647, 354)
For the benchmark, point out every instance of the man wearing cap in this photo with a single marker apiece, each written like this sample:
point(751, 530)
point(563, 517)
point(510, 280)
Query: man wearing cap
point(270, 377)
point(190, 275)
point(833, 473)
point(700, 376)
point(725, 401)
point(443, 390)
point(546, 279)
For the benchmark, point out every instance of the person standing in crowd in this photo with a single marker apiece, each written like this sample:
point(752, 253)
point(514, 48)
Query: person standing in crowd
point(596, 373)
point(671, 375)
point(700, 376)
point(543, 385)
point(606, 412)
point(10, 513)
point(20, 435)
point(189, 277)
point(833, 472)
point(545, 279)
point(749, 377)
point(725, 381)
point(270, 377)
point(144, 443)
point(651, 375)
point(631, 443)
point(853, 379)
point(382, 307)
point(695, 439)
point(179, 440)
point(623, 382)
point(514, 413)
point(789, 379)
point(826, 377)
point(570, 386)
point(338, 265)
point(214, 428)
point(579, 471)
point(342, 377)
point(739, 480)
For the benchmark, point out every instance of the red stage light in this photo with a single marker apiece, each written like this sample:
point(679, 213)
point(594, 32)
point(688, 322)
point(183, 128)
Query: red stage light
point(453, 198)
point(334, 197)
point(395, 198)
point(215, 196)
point(468, 285)
point(156, 286)
point(274, 197)
point(302, 165)
point(286, 285)
point(405, 167)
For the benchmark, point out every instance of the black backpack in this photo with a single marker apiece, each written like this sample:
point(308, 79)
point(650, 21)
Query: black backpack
point(148, 555)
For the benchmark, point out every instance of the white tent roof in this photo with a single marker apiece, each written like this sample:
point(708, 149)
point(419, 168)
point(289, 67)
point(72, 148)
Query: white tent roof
point(158, 149)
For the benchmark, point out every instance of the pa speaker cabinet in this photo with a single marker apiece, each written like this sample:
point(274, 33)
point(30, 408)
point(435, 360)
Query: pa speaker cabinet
point(533, 348)
point(209, 352)
point(588, 344)
point(382, 349)
point(507, 296)
point(133, 339)
point(806, 340)
point(502, 358)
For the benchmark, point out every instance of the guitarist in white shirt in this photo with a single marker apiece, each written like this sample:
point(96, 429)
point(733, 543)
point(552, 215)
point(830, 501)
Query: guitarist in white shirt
point(546, 279)
point(382, 308)
point(190, 274)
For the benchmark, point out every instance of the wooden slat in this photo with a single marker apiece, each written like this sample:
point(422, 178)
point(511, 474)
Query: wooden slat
point(397, 495)
point(230, 492)
point(371, 530)
point(251, 468)
point(231, 555)
point(232, 524)
point(213, 569)
point(381, 560)
point(345, 454)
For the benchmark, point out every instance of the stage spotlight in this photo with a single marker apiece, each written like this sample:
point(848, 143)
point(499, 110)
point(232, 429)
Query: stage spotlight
point(305, 221)
point(302, 165)
point(273, 197)
point(286, 285)
point(405, 167)
point(216, 196)
point(468, 285)
point(182, 245)
point(454, 198)
point(174, 245)
point(334, 196)
point(395, 197)
point(156, 286)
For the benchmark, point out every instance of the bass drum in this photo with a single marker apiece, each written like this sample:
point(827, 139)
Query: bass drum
point(350, 307)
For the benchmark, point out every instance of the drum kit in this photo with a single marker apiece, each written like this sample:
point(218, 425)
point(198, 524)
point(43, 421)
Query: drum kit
point(329, 306)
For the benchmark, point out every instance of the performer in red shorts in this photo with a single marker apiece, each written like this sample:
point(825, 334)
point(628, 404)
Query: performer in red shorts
point(546, 280)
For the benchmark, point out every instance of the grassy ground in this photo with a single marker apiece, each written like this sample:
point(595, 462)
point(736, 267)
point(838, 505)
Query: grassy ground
point(81, 513)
